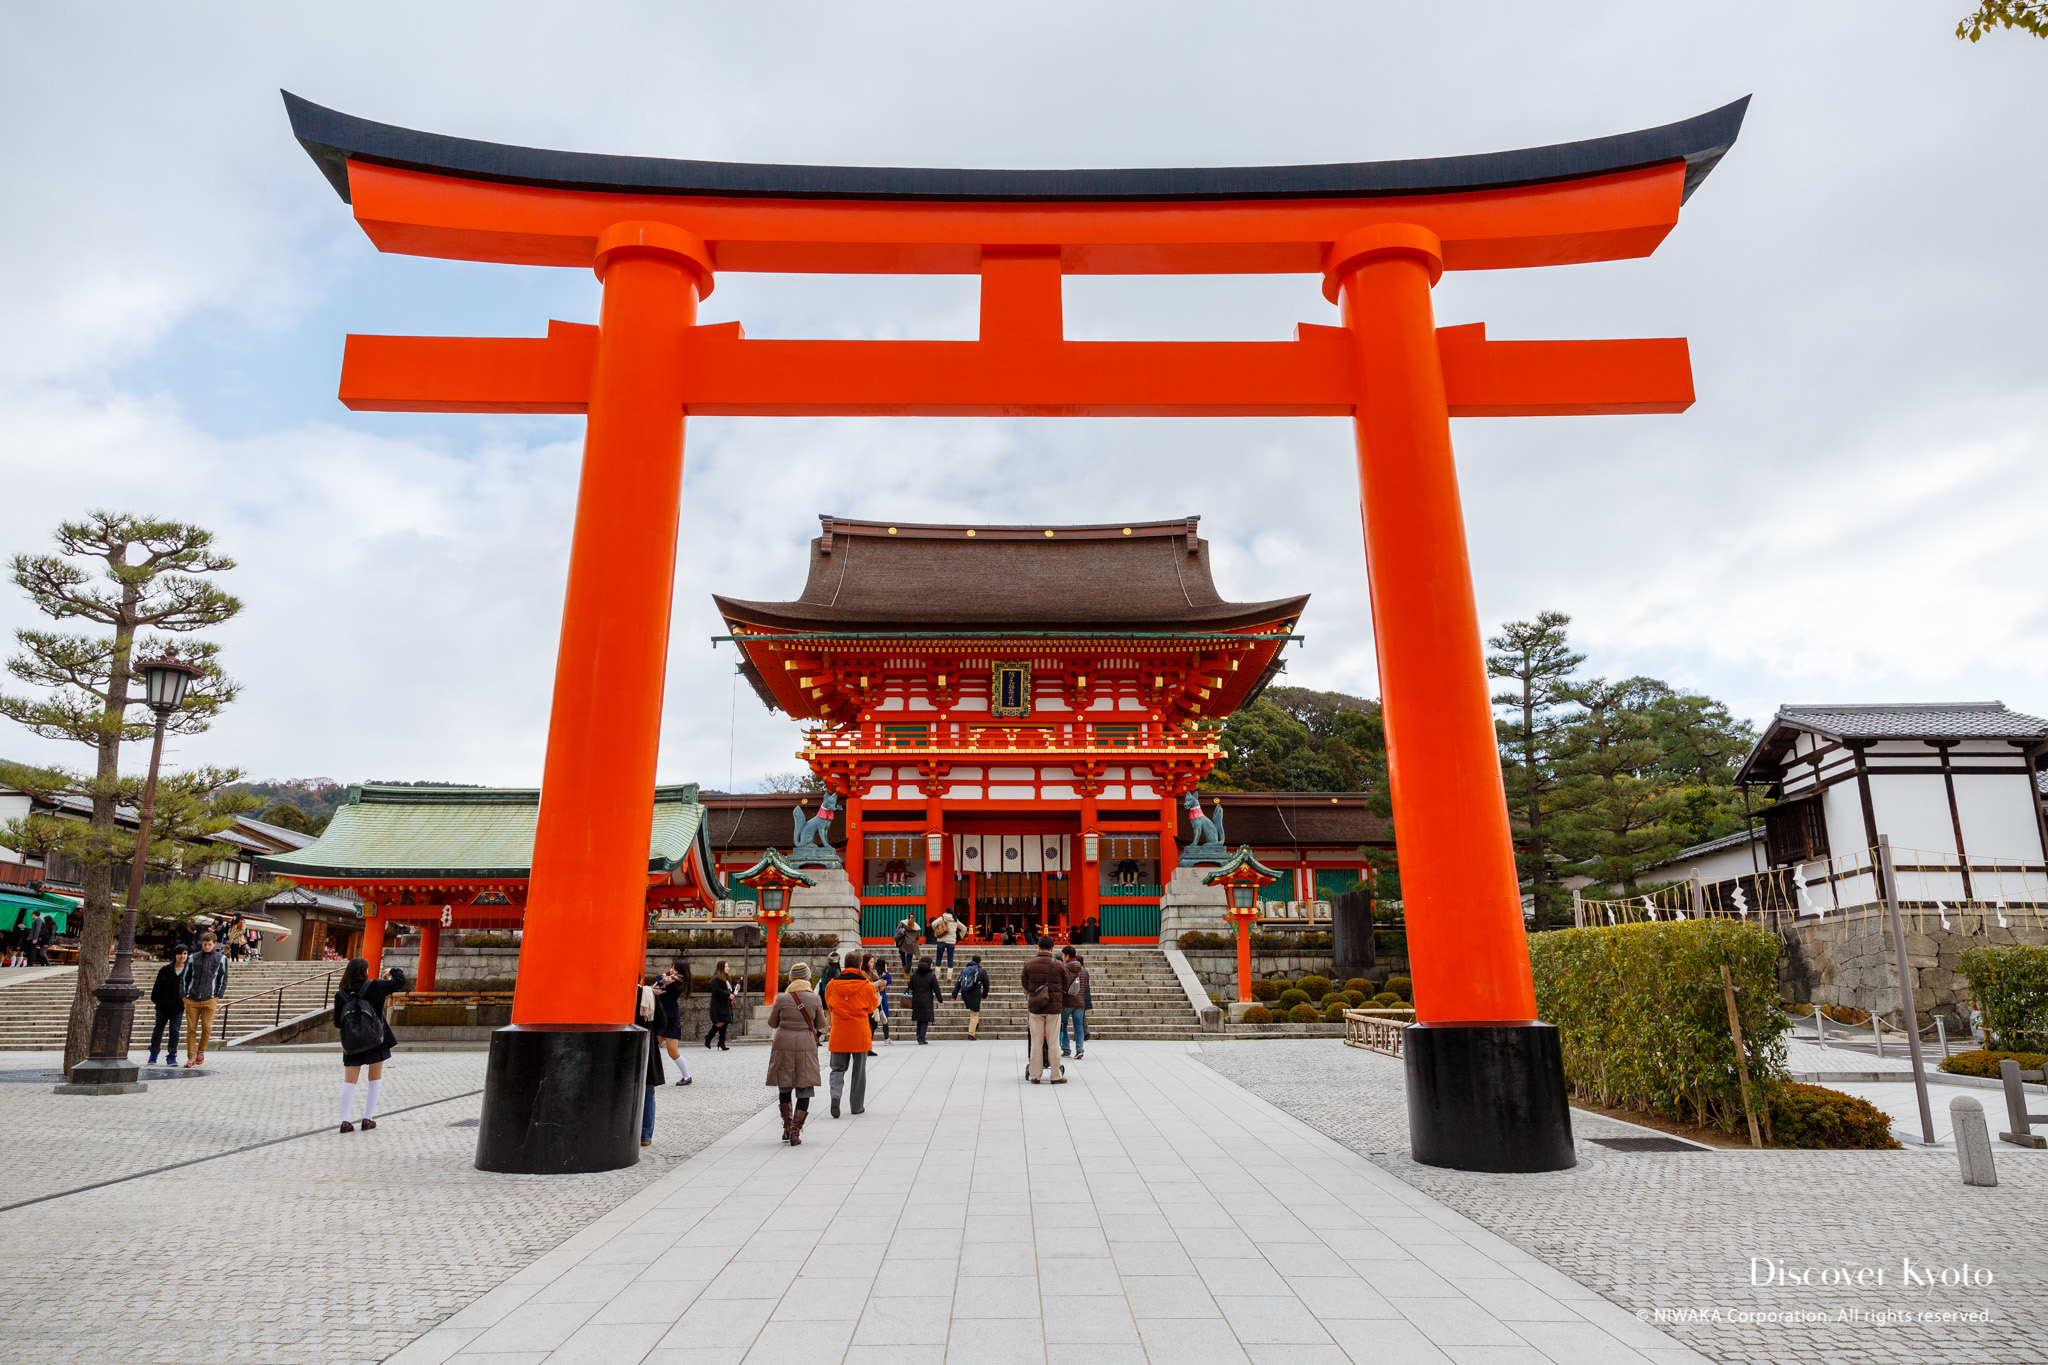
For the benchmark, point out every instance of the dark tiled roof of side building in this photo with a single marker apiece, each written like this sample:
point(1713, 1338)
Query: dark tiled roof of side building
point(903, 576)
point(1913, 720)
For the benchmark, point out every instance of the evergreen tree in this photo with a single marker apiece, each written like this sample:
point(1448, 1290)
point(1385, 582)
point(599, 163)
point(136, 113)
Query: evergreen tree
point(151, 586)
point(1619, 804)
point(1537, 657)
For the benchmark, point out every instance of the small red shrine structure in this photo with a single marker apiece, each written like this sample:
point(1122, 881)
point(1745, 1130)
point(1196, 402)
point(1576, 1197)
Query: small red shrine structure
point(450, 859)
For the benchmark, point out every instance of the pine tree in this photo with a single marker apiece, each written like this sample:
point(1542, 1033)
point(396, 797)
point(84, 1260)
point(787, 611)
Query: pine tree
point(151, 587)
point(1538, 657)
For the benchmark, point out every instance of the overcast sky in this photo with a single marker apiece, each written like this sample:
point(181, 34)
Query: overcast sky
point(1851, 512)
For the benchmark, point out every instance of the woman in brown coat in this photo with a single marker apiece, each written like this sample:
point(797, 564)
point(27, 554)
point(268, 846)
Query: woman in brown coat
point(794, 1022)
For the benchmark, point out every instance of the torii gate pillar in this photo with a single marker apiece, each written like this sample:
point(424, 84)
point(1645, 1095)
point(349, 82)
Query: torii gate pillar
point(1485, 1078)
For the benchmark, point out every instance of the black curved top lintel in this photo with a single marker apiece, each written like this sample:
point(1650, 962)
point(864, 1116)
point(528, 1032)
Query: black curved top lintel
point(332, 139)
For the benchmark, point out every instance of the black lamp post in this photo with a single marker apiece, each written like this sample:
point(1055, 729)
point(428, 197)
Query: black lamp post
point(106, 1069)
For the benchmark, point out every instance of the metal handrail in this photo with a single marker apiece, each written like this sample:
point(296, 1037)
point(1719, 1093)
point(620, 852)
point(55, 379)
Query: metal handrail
point(227, 1006)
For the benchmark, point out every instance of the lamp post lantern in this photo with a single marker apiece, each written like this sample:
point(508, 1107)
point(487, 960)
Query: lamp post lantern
point(106, 1069)
point(1241, 879)
point(773, 879)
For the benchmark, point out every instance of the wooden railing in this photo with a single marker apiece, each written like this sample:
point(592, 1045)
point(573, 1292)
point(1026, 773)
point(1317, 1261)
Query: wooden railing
point(1376, 1030)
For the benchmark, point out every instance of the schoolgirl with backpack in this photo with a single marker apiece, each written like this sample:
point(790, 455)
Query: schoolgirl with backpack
point(366, 1038)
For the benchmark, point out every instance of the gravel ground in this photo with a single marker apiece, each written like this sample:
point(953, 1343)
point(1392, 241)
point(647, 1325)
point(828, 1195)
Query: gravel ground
point(320, 1248)
point(1674, 1237)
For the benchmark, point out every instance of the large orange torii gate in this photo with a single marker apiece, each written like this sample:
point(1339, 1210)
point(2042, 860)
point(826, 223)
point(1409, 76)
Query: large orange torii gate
point(1486, 1087)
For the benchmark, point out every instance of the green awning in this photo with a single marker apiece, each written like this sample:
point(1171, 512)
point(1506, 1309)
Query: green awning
point(17, 907)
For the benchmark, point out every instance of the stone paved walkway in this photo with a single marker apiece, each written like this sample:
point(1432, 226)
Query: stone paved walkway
point(1147, 1211)
point(1673, 1233)
point(324, 1248)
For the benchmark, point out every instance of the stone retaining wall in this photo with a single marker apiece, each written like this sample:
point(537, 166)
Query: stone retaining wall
point(1848, 961)
point(1217, 967)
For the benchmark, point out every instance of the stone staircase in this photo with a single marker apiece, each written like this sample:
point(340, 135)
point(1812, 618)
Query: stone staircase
point(1136, 996)
point(34, 1010)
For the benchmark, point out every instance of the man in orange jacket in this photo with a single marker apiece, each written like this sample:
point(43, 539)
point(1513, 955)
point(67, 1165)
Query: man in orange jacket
point(852, 998)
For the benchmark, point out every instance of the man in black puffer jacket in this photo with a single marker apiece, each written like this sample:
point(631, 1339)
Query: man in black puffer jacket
point(169, 1001)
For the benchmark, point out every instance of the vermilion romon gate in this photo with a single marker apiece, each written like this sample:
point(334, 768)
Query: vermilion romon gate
point(1485, 1080)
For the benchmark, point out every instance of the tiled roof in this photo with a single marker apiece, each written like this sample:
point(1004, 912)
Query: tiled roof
point(1934, 720)
point(482, 832)
point(873, 575)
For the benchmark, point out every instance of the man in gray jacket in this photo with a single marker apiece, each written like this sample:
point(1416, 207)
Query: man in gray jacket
point(204, 982)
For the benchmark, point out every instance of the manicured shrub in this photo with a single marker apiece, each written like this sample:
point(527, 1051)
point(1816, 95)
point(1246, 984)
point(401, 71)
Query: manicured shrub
point(1258, 1014)
point(1265, 990)
point(1334, 1007)
point(1986, 1063)
point(1359, 984)
point(1293, 996)
point(1305, 1013)
point(1387, 1000)
point(1815, 1116)
point(1401, 986)
point(2010, 986)
point(1314, 987)
point(1354, 998)
point(1196, 938)
point(1643, 1019)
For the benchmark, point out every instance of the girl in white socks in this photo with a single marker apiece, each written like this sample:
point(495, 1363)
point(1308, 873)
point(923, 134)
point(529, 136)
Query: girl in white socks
point(366, 1037)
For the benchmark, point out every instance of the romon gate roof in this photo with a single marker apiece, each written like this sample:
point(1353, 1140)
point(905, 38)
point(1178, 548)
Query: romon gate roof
point(883, 576)
point(461, 832)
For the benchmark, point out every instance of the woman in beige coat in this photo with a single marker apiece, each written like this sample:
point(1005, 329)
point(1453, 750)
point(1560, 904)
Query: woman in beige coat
point(793, 1055)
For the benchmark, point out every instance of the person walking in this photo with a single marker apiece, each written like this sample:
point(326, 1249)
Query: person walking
point(1074, 1012)
point(793, 1025)
point(970, 990)
point(41, 930)
point(721, 1005)
point(883, 981)
point(851, 998)
point(1045, 995)
point(924, 998)
point(202, 984)
point(945, 937)
point(366, 1036)
point(669, 989)
point(906, 942)
point(169, 1000)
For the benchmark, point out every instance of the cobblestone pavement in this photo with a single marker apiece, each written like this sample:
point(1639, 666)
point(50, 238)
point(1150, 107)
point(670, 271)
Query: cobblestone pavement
point(1675, 1233)
point(323, 1248)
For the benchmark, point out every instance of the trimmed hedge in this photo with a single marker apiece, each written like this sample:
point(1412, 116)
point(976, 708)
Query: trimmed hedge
point(1258, 1014)
point(1293, 996)
point(1333, 1009)
point(1354, 998)
point(2010, 986)
point(1305, 1013)
point(1401, 986)
point(1359, 984)
point(1643, 1021)
point(1387, 1000)
point(1196, 938)
point(1265, 990)
point(1815, 1116)
point(1314, 987)
point(1985, 1063)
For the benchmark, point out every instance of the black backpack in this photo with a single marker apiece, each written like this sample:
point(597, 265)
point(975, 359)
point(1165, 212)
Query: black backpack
point(362, 1028)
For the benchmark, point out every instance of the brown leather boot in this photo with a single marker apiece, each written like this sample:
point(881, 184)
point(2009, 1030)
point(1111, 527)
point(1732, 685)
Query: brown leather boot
point(796, 1127)
point(787, 1110)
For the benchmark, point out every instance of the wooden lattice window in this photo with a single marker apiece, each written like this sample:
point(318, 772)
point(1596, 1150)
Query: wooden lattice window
point(1116, 736)
point(906, 736)
point(1796, 832)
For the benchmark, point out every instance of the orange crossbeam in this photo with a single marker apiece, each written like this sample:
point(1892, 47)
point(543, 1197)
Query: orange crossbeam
point(727, 375)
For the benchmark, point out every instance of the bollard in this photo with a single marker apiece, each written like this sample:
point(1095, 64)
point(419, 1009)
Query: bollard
point(1940, 1036)
point(1820, 1024)
point(1877, 1032)
point(1973, 1141)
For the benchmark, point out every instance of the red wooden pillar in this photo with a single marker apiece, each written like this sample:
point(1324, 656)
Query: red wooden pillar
point(430, 956)
point(566, 1083)
point(373, 939)
point(1088, 893)
point(856, 856)
point(1486, 1086)
point(936, 899)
